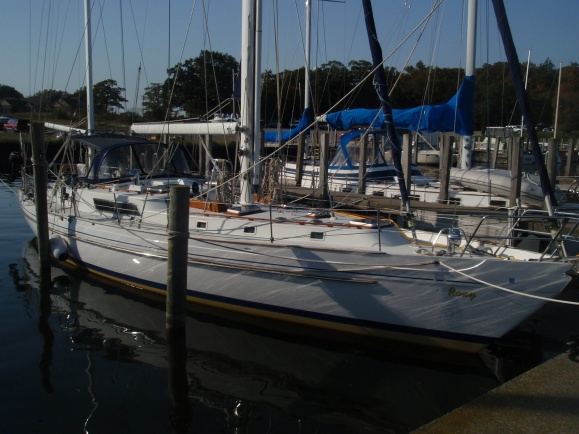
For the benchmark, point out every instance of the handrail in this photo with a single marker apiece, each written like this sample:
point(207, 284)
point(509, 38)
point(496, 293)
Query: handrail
point(562, 227)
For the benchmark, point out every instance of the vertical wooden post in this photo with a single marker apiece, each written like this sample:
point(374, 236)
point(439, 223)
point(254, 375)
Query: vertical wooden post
point(40, 198)
point(362, 165)
point(444, 168)
point(516, 170)
point(208, 152)
point(552, 161)
point(415, 149)
point(300, 159)
point(178, 236)
point(510, 144)
point(495, 152)
point(570, 153)
point(324, 155)
point(407, 161)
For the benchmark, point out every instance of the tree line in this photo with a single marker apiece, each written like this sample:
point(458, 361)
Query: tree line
point(200, 85)
point(203, 85)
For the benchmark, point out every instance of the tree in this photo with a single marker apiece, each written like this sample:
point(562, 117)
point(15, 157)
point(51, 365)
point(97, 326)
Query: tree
point(107, 95)
point(365, 94)
point(155, 101)
point(330, 85)
point(9, 92)
point(202, 83)
point(45, 98)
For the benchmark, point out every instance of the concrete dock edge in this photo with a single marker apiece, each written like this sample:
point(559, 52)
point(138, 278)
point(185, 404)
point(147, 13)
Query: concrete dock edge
point(544, 399)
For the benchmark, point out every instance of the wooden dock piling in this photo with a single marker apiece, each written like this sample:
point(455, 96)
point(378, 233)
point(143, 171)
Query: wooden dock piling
point(178, 235)
point(40, 199)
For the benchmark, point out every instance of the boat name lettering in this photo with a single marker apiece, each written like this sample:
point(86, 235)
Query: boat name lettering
point(455, 293)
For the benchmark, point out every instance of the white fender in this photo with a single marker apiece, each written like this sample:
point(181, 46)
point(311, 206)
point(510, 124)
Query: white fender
point(58, 248)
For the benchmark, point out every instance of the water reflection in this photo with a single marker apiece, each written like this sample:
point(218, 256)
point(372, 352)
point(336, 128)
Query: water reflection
point(178, 382)
point(231, 376)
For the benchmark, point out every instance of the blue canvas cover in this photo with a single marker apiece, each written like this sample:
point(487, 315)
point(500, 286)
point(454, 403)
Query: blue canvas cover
point(284, 136)
point(456, 115)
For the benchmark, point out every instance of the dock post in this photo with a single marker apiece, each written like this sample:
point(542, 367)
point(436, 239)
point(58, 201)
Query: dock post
point(414, 148)
point(495, 152)
point(570, 153)
point(444, 168)
point(407, 161)
point(176, 311)
point(40, 186)
point(552, 161)
point(324, 156)
point(300, 158)
point(208, 153)
point(178, 237)
point(516, 172)
point(362, 165)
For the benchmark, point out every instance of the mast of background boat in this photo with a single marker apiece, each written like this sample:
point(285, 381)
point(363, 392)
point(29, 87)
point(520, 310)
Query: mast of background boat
point(88, 49)
point(557, 106)
point(256, 180)
point(382, 91)
point(302, 138)
point(515, 68)
point(526, 82)
point(248, 27)
point(466, 154)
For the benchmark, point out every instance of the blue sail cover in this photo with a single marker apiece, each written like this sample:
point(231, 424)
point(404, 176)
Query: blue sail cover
point(284, 136)
point(454, 116)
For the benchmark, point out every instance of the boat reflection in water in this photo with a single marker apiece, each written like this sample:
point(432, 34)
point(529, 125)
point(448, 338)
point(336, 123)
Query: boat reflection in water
point(106, 356)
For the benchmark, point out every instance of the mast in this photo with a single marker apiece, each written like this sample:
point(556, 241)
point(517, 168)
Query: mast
point(308, 51)
point(466, 154)
point(248, 27)
point(301, 137)
point(557, 106)
point(257, 99)
point(526, 82)
point(515, 68)
point(88, 49)
point(382, 91)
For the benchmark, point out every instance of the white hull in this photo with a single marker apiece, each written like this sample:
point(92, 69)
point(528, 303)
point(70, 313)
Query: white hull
point(352, 278)
point(422, 188)
point(431, 158)
point(498, 182)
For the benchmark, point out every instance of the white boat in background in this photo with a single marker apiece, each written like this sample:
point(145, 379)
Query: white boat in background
point(344, 166)
point(498, 182)
point(317, 267)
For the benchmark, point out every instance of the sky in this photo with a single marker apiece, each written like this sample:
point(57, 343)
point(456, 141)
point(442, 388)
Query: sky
point(44, 47)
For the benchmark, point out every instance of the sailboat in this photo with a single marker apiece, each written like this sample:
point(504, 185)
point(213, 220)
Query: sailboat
point(471, 187)
point(108, 212)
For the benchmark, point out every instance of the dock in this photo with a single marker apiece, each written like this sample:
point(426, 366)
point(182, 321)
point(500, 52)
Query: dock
point(428, 216)
point(388, 204)
point(542, 400)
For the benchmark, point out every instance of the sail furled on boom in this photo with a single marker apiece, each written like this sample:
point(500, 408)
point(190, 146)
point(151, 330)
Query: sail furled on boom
point(453, 116)
point(519, 84)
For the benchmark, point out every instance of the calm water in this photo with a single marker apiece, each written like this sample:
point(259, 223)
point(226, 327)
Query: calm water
point(95, 359)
